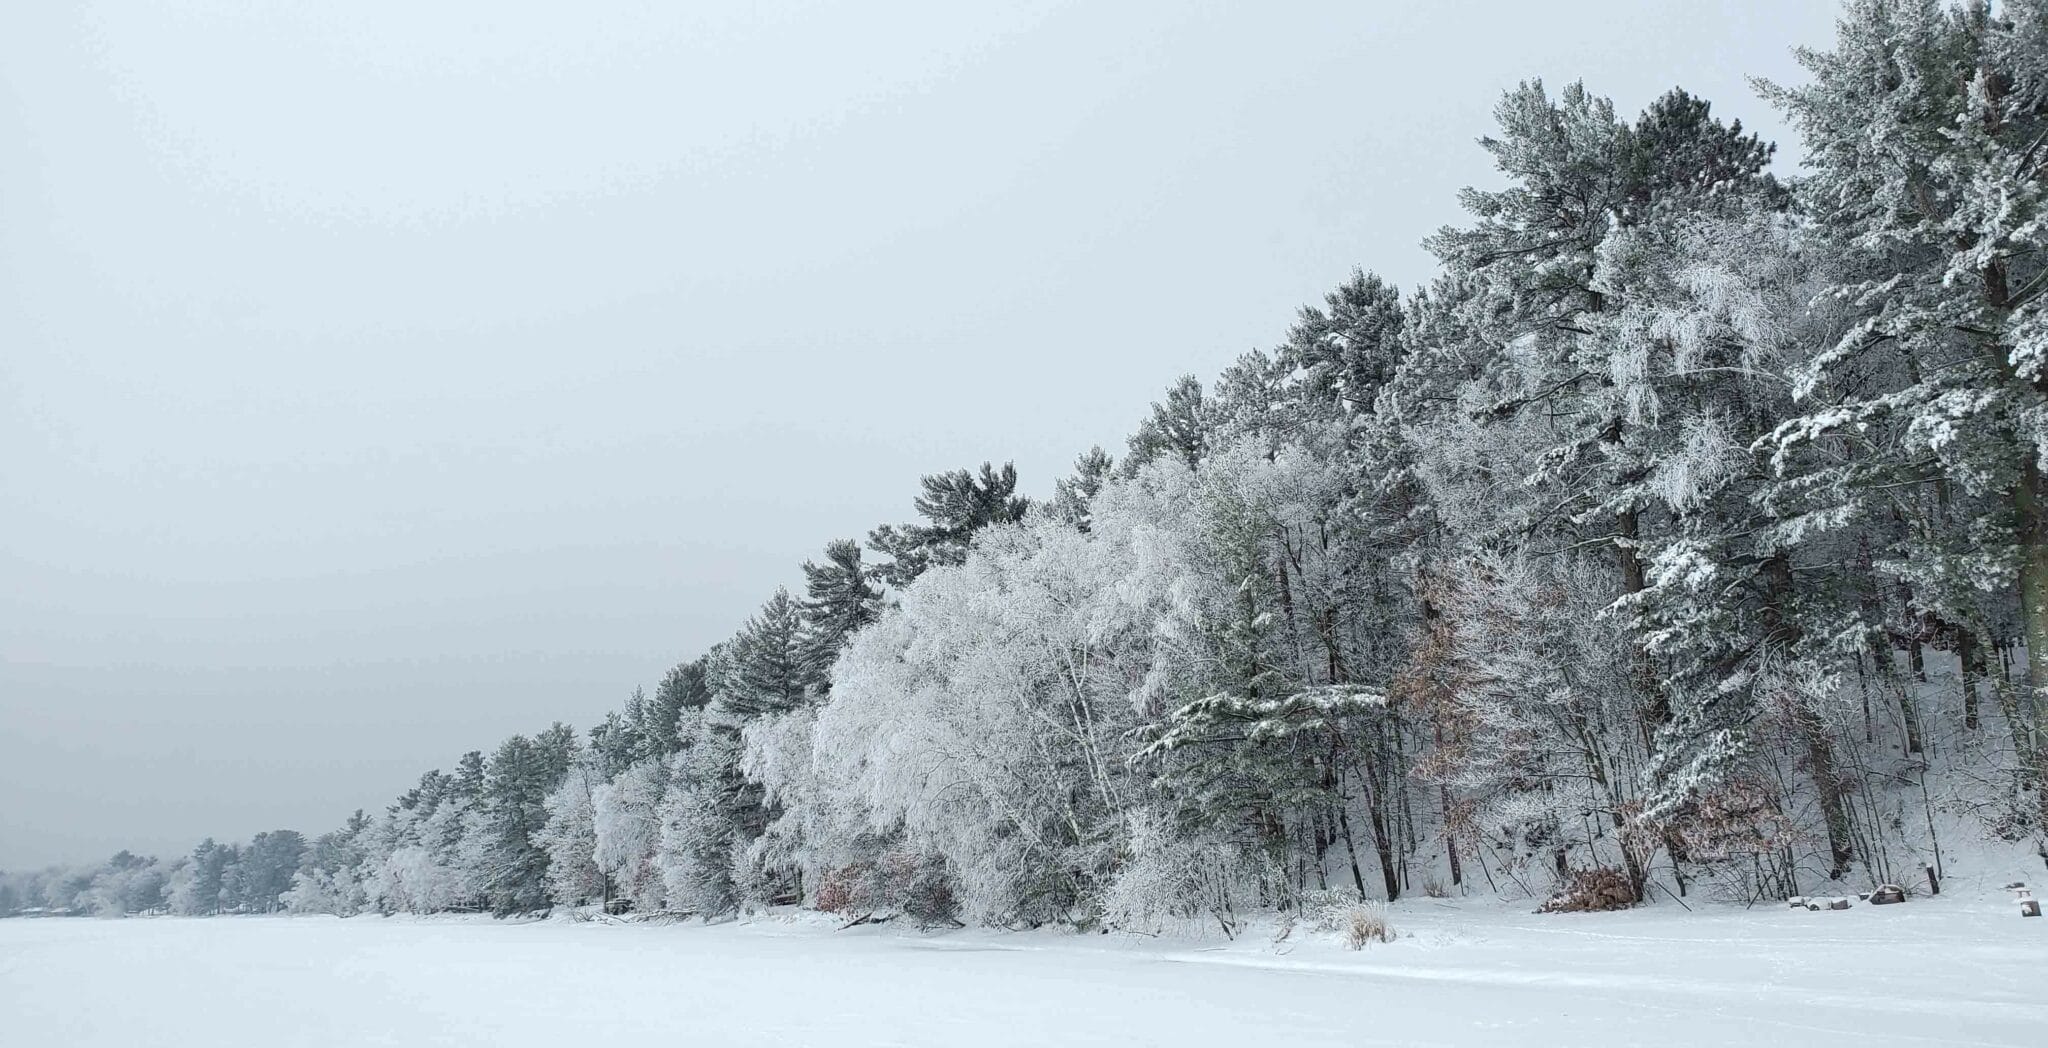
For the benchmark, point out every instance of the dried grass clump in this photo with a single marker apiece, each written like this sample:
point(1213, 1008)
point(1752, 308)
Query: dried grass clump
point(1359, 921)
point(1367, 922)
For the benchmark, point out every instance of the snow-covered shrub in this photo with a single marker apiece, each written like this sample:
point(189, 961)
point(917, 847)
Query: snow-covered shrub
point(838, 889)
point(1173, 878)
point(1323, 908)
point(317, 891)
point(917, 886)
point(1600, 888)
point(1740, 841)
point(1360, 921)
point(901, 880)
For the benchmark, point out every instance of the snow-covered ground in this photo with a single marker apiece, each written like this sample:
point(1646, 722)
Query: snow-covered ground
point(1948, 971)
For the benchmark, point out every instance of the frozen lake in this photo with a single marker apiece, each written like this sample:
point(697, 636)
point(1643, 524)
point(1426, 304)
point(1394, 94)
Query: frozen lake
point(1940, 972)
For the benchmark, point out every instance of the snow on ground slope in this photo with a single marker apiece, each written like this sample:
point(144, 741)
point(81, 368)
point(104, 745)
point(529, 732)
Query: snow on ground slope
point(1945, 971)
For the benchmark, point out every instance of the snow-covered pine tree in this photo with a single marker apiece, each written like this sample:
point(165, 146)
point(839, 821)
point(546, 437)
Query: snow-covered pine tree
point(682, 688)
point(569, 836)
point(838, 601)
point(1924, 125)
point(1346, 350)
point(1178, 426)
point(1073, 495)
point(766, 666)
point(955, 505)
point(517, 781)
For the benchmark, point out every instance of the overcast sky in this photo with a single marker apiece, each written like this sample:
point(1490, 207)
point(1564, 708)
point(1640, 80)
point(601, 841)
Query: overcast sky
point(381, 379)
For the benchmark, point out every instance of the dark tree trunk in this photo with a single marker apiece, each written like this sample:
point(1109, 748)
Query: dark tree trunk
point(1820, 753)
point(1971, 656)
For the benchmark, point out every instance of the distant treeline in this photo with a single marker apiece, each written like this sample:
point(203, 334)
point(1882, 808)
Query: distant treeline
point(215, 878)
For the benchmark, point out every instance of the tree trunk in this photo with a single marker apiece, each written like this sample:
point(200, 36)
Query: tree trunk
point(1820, 753)
point(1287, 602)
point(1443, 794)
point(2009, 707)
point(1971, 657)
point(1632, 863)
point(1657, 708)
point(1351, 849)
point(2033, 536)
point(1326, 628)
point(1626, 530)
point(1909, 710)
point(1320, 827)
point(1910, 638)
point(1820, 756)
point(1383, 842)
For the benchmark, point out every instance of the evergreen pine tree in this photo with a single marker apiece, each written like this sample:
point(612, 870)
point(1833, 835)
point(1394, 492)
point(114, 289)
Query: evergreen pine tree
point(956, 504)
point(1072, 495)
point(838, 601)
point(1178, 426)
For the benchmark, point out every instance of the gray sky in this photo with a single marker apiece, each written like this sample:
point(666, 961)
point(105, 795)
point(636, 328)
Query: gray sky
point(380, 379)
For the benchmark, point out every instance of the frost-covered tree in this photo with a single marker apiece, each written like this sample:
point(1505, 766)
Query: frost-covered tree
point(126, 883)
point(1924, 125)
point(569, 836)
point(626, 819)
point(510, 863)
point(196, 889)
point(987, 715)
point(708, 815)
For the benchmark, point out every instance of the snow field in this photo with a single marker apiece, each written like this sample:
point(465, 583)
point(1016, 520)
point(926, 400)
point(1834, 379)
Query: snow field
point(1950, 971)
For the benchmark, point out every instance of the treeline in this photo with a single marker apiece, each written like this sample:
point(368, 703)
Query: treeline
point(1685, 534)
point(214, 879)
